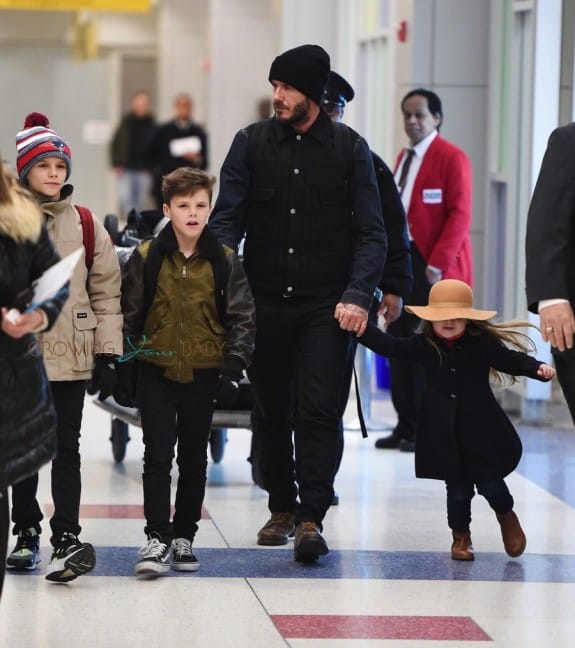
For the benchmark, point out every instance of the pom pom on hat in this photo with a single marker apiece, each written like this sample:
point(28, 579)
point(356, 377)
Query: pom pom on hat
point(305, 68)
point(38, 141)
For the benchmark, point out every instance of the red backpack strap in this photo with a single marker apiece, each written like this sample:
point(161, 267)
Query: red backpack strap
point(88, 235)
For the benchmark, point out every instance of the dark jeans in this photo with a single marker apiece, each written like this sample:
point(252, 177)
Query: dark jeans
point(460, 493)
point(65, 476)
point(407, 379)
point(173, 412)
point(298, 372)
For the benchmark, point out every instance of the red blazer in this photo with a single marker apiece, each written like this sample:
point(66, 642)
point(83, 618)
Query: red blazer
point(439, 214)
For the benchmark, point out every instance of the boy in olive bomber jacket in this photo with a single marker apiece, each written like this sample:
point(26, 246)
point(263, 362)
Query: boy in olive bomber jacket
point(189, 327)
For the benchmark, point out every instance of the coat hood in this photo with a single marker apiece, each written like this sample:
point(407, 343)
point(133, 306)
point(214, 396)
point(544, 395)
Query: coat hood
point(21, 218)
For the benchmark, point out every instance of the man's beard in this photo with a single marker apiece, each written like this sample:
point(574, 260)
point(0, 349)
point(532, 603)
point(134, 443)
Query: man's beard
point(299, 115)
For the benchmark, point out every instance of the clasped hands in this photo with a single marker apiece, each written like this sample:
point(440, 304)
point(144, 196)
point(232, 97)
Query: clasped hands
point(16, 324)
point(351, 318)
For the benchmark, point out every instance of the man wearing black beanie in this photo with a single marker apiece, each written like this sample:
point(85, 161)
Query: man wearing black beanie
point(302, 190)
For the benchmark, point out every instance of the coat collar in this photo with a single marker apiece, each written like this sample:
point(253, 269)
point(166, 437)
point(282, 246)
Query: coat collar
point(208, 245)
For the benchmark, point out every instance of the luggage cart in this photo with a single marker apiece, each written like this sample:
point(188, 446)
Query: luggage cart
point(123, 417)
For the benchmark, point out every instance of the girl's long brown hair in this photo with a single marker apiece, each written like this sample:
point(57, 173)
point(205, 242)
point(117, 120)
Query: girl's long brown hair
point(502, 331)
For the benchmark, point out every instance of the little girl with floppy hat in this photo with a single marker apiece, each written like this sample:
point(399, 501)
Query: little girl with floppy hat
point(464, 437)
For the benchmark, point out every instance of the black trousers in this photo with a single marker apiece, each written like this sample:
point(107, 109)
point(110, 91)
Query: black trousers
point(65, 475)
point(298, 372)
point(460, 493)
point(4, 525)
point(174, 413)
point(407, 379)
point(565, 365)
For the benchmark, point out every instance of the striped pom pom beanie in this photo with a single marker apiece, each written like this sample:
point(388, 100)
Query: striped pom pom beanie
point(36, 142)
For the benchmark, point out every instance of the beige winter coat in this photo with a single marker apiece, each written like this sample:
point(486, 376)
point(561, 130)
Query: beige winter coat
point(91, 320)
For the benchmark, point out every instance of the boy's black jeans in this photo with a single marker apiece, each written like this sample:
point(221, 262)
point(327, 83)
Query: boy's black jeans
point(65, 475)
point(173, 412)
point(460, 492)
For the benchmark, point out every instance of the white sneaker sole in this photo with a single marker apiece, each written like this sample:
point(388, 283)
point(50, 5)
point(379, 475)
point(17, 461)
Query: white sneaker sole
point(151, 569)
point(65, 569)
point(190, 567)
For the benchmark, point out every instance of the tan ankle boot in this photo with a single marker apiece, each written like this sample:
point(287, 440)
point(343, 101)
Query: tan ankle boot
point(514, 539)
point(462, 549)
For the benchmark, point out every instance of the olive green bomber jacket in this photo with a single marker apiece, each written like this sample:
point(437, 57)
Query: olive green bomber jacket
point(181, 331)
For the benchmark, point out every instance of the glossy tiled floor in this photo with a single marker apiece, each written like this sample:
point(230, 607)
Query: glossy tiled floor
point(388, 580)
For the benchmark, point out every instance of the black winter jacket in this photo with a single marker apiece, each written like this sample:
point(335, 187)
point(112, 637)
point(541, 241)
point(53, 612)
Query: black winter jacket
point(462, 431)
point(27, 417)
point(309, 208)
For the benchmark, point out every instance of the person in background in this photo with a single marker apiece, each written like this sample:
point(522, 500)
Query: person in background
point(178, 143)
point(396, 280)
point(130, 154)
point(90, 325)
point(550, 255)
point(463, 435)
point(302, 190)
point(434, 180)
point(27, 416)
point(189, 312)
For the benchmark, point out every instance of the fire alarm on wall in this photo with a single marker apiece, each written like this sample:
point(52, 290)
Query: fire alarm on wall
point(402, 31)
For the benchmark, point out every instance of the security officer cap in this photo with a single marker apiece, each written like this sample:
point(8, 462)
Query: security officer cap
point(337, 90)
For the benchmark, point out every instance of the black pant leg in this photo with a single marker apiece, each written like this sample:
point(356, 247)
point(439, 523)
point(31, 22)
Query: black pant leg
point(194, 419)
point(26, 512)
point(157, 399)
point(407, 379)
point(4, 524)
point(271, 374)
point(565, 365)
point(66, 478)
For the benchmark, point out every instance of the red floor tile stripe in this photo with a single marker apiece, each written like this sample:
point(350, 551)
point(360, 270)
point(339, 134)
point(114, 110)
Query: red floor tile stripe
point(112, 511)
point(431, 628)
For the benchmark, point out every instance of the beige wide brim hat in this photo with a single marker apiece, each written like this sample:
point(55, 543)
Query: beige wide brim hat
point(450, 299)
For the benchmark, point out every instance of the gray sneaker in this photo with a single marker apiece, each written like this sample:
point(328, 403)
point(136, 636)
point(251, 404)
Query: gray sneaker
point(155, 559)
point(182, 557)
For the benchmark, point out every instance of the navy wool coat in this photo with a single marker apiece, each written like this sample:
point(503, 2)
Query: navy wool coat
point(462, 432)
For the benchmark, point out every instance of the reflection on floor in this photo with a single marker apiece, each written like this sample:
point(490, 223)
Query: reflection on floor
point(387, 581)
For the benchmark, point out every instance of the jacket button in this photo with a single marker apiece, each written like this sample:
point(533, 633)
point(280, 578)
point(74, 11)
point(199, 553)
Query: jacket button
point(452, 395)
point(296, 171)
point(291, 250)
point(292, 210)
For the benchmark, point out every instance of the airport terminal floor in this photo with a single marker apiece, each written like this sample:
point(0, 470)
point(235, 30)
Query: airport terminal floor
point(387, 581)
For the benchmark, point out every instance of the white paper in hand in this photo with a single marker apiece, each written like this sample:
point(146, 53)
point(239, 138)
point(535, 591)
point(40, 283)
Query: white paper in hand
point(185, 145)
point(48, 285)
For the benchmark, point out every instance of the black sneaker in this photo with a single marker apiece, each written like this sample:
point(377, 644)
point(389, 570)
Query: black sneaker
point(26, 553)
point(155, 559)
point(70, 559)
point(182, 557)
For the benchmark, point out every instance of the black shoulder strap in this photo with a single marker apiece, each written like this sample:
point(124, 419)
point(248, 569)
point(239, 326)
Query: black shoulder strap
point(221, 270)
point(152, 266)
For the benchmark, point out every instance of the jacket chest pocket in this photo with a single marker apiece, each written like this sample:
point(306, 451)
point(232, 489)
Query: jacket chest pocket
point(85, 324)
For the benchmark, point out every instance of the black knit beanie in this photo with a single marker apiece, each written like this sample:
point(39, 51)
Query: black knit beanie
point(306, 68)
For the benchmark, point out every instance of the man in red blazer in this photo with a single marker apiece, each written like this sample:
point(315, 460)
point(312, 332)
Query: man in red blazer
point(434, 179)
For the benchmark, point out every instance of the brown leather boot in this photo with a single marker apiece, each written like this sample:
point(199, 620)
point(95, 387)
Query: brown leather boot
point(462, 549)
point(309, 543)
point(514, 539)
point(277, 529)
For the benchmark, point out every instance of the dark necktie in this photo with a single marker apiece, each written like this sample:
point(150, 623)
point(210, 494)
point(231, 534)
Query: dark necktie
point(405, 170)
